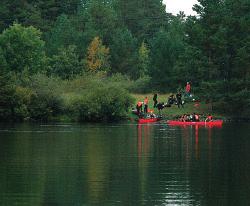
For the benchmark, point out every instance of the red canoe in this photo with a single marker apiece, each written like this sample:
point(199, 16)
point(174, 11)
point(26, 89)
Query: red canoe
point(149, 120)
point(212, 123)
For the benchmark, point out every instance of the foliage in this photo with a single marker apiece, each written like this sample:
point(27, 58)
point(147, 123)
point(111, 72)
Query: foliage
point(119, 81)
point(141, 85)
point(39, 13)
point(3, 63)
point(166, 48)
point(192, 66)
point(61, 35)
point(223, 39)
point(143, 18)
point(23, 48)
point(102, 104)
point(97, 56)
point(143, 59)
point(7, 99)
point(66, 64)
point(101, 19)
point(23, 97)
point(124, 58)
point(46, 101)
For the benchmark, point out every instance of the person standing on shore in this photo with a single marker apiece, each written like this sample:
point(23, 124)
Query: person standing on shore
point(179, 100)
point(146, 105)
point(188, 89)
point(139, 107)
point(155, 100)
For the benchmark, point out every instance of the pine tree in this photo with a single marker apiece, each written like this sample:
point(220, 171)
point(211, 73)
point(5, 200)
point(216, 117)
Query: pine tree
point(142, 17)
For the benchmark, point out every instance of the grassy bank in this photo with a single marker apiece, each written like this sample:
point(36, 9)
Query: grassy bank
point(173, 111)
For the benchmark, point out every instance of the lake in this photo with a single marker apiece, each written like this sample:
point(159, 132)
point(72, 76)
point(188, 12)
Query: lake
point(124, 164)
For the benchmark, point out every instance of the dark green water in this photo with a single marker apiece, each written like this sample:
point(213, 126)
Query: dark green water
point(124, 164)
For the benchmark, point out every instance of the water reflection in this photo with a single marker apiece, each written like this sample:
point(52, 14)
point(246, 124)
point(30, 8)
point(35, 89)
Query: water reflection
point(124, 165)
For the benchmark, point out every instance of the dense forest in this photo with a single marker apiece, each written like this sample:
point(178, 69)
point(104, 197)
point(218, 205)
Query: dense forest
point(84, 57)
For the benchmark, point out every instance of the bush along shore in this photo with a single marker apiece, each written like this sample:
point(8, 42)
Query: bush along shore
point(94, 98)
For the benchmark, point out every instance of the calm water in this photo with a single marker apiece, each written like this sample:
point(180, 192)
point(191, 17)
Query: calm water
point(124, 164)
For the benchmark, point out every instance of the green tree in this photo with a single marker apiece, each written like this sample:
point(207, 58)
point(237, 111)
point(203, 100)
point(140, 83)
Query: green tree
point(143, 59)
point(38, 13)
point(124, 55)
point(23, 49)
point(66, 64)
point(192, 66)
point(222, 37)
point(61, 35)
point(167, 46)
point(143, 18)
point(102, 19)
point(95, 18)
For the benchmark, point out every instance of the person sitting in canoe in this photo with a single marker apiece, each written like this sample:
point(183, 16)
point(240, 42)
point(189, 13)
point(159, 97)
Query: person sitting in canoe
point(152, 115)
point(191, 117)
point(196, 117)
point(209, 118)
point(184, 118)
point(187, 118)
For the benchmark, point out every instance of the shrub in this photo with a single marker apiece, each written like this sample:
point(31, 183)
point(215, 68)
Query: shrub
point(46, 101)
point(6, 97)
point(141, 85)
point(22, 100)
point(44, 106)
point(102, 104)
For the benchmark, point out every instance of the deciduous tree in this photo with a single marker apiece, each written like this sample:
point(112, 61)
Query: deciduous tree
point(97, 56)
point(23, 48)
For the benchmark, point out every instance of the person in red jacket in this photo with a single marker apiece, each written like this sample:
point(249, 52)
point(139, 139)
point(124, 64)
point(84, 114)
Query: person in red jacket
point(188, 89)
point(209, 118)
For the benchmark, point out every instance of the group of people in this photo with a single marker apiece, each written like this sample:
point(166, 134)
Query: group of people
point(177, 99)
point(143, 110)
point(140, 105)
point(195, 118)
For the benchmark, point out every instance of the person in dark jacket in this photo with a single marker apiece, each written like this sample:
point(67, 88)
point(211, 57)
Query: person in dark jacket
point(146, 105)
point(171, 100)
point(179, 100)
point(160, 106)
point(139, 107)
point(155, 100)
